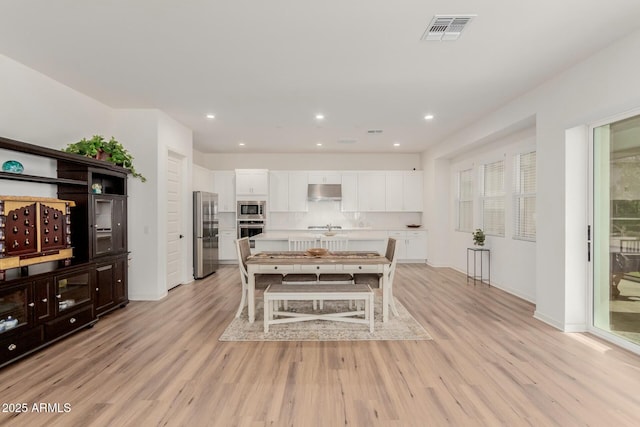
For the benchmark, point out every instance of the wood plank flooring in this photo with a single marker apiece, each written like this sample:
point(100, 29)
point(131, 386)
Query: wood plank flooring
point(489, 363)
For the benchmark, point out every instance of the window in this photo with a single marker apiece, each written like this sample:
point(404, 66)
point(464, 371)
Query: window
point(493, 198)
point(465, 200)
point(524, 196)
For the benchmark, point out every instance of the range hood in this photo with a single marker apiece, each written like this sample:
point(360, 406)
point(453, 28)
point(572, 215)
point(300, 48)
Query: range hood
point(321, 192)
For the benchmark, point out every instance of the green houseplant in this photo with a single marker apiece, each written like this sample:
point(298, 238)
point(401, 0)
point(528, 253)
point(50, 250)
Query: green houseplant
point(478, 237)
point(111, 151)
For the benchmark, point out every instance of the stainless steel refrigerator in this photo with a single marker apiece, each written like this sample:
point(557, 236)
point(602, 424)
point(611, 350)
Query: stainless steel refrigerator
point(205, 233)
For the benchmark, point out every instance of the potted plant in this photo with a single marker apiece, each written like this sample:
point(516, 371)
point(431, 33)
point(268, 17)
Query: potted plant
point(111, 151)
point(478, 237)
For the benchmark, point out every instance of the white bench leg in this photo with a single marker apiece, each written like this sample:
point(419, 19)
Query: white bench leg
point(267, 313)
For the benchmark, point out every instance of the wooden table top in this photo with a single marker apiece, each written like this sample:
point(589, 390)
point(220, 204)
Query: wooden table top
point(337, 257)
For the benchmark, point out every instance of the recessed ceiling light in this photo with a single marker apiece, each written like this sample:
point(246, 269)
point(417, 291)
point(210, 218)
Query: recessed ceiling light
point(428, 117)
point(211, 116)
point(396, 144)
point(319, 144)
point(241, 144)
point(319, 116)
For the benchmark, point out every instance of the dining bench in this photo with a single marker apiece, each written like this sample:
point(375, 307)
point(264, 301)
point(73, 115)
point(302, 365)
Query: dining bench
point(276, 293)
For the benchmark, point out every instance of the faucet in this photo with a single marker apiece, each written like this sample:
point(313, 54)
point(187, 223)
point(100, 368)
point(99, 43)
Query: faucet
point(329, 226)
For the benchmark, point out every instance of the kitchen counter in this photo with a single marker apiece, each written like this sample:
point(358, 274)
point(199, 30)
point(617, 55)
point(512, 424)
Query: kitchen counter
point(352, 235)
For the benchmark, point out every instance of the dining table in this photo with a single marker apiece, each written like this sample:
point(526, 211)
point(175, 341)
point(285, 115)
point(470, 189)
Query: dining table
point(302, 262)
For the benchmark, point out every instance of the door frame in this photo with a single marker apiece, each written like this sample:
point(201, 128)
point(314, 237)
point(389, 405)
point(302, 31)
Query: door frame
point(185, 216)
point(608, 336)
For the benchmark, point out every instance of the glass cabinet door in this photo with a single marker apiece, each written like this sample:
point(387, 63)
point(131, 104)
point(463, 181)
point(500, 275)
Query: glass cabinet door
point(103, 241)
point(13, 308)
point(72, 289)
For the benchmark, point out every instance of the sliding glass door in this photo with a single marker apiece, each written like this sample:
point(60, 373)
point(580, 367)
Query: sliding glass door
point(616, 229)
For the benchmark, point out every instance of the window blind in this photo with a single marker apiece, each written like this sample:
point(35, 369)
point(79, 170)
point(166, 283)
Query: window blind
point(493, 198)
point(465, 200)
point(525, 187)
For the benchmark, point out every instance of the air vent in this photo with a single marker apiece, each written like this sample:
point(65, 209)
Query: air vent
point(347, 141)
point(374, 131)
point(446, 27)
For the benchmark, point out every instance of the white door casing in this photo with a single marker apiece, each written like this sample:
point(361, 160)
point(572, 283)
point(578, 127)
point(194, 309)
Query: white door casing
point(174, 223)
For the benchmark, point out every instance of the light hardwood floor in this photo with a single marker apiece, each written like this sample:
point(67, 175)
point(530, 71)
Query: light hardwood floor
point(489, 363)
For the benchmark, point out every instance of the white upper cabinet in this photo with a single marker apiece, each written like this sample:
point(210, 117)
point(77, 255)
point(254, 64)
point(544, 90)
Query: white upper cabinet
point(324, 177)
point(287, 191)
point(202, 179)
point(394, 201)
point(413, 185)
point(224, 185)
point(349, 192)
point(403, 191)
point(252, 182)
point(298, 190)
point(278, 191)
point(371, 191)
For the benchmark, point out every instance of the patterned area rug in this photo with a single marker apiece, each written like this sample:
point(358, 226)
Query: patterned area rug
point(403, 327)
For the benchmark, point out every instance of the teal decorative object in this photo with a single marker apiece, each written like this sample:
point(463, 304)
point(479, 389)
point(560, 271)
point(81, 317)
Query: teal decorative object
point(12, 166)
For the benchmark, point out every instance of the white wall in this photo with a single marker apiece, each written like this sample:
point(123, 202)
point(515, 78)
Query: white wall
point(303, 161)
point(598, 87)
point(38, 110)
point(512, 261)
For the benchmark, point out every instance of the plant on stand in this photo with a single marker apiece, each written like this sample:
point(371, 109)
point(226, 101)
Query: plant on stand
point(478, 237)
point(111, 151)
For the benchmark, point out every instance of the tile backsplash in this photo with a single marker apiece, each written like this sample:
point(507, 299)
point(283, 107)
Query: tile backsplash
point(328, 212)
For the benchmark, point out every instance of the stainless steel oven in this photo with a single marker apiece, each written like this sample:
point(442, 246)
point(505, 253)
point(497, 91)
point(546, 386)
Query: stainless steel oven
point(250, 228)
point(252, 210)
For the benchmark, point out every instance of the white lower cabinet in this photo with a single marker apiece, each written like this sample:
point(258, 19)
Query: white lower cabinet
point(411, 245)
point(227, 245)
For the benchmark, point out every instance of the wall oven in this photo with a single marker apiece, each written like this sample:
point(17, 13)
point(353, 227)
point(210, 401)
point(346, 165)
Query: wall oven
point(250, 228)
point(252, 210)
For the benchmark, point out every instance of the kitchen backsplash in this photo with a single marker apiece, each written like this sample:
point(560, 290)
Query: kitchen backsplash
point(328, 212)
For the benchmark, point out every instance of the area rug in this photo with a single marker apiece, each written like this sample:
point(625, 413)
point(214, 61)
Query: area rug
point(402, 327)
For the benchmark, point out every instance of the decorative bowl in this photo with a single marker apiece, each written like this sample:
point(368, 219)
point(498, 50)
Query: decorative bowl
point(12, 166)
point(317, 251)
point(414, 225)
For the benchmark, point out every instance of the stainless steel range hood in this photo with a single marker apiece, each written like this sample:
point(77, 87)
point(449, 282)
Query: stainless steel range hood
point(321, 192)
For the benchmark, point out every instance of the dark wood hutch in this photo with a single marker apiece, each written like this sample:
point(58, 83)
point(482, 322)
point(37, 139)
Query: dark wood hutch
point(40, 308)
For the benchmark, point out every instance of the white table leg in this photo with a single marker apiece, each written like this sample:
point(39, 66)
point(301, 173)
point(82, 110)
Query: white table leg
point(251, 297)
point(385, 293)
point(370, 312)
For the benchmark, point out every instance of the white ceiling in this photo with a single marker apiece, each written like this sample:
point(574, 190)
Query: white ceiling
point(266, 68)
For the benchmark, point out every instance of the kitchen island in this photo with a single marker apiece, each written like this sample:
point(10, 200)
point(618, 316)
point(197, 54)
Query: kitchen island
point(412, 243)
point(360, 240)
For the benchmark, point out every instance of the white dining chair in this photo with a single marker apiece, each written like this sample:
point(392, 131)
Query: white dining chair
point(301, 243)
point(373, 279)
point(262, 281)
point(334, 243)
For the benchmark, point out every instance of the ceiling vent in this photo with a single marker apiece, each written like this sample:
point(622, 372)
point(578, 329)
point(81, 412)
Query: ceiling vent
point(446, 27)
point(374, 131)
point(347, 141)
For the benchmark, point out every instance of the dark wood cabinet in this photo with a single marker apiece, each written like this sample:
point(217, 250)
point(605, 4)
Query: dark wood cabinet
point(108, 218)
point(43, 301)
point(39, 309)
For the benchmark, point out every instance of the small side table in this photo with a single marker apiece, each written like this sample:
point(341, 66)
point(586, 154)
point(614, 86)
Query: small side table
point(479, 253)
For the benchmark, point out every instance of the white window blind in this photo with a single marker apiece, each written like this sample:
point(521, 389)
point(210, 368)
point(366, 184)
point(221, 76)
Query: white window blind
point(524, 192)
point(493, 198)
point(465, 200)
